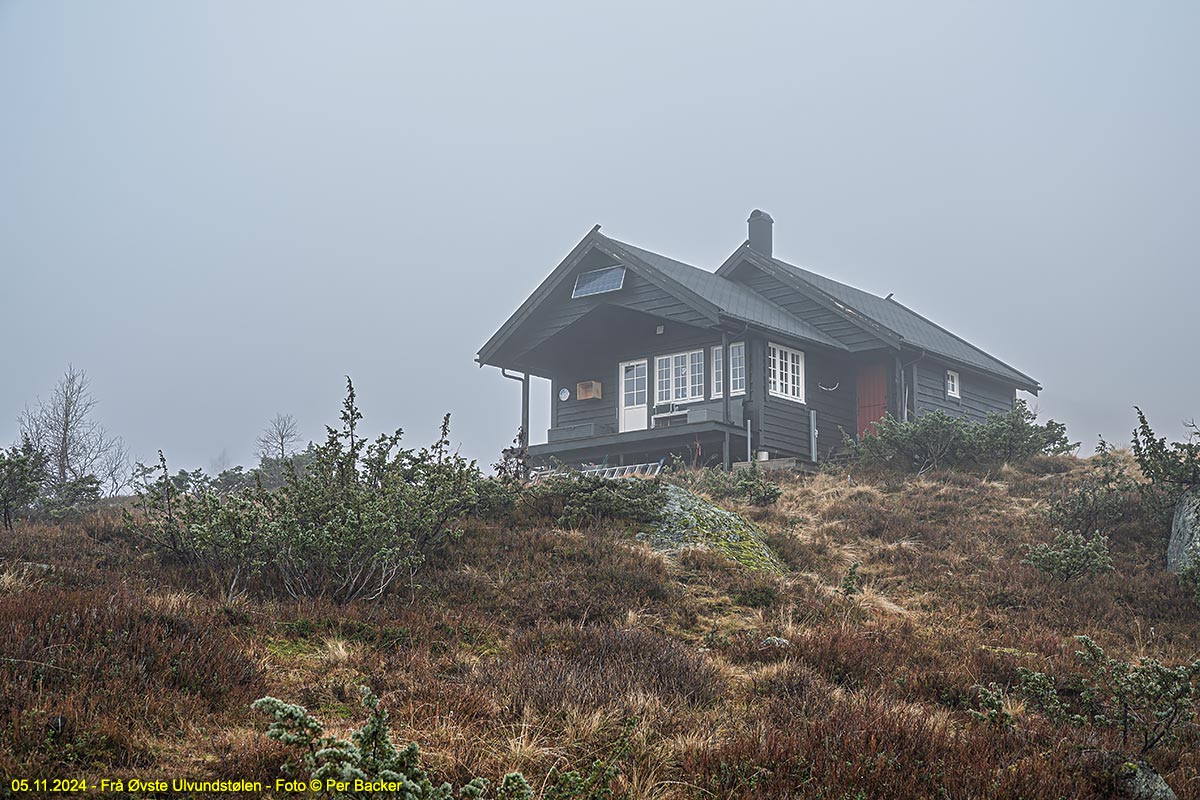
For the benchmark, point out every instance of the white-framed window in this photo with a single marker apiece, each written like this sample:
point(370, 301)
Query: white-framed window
point(718, 372)
point(785, 372)
point(737, 370)
point(952, 389)
point(679, 377)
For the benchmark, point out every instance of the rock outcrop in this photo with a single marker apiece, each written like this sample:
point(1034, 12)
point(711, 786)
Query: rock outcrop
point(691, 521)
point(1116, 776)
point(1184, 547)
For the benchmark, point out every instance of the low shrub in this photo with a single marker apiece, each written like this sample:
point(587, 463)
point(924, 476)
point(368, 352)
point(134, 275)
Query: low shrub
point(1016, 436)
point(22, 469)
point(1105, 496)
point(577, 500)
point(368, 756)
point(1149, 703)
point(1170, 468)
point(936, 440)
point(368, 764)
point(359, 515)
point(992, 709)
point(1173, 463)
point(851, 745)
point(743, 485)
point(1070, 556)
point(851, 581)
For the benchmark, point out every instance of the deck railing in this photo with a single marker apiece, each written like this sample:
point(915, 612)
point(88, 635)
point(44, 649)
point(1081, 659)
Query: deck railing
point(650, 470)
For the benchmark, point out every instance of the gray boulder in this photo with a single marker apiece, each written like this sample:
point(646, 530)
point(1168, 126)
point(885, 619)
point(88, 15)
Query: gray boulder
point(1137, 780)
point(692, 521)
point(1116, 776)
point(1184, 547)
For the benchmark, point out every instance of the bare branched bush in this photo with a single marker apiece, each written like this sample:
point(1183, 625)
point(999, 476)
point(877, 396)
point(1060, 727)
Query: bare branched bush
point(279, 439)
point(82, 458)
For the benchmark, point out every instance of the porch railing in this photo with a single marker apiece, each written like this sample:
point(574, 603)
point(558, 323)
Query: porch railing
point(650, 470)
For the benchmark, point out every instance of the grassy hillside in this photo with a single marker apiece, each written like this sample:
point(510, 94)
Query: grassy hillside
point(524, 647)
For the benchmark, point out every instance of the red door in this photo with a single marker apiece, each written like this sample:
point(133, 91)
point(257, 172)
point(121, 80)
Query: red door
point(871, 383)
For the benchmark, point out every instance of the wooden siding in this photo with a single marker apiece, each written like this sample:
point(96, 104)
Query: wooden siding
point(980, 395)
point(779, 426)
point(784, 425)
point(602, 413)
point(807, 309)
point(835, 407)
point(784, 428)
point(599, 361)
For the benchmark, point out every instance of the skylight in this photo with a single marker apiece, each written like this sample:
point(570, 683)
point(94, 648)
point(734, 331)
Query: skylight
point(599, 281)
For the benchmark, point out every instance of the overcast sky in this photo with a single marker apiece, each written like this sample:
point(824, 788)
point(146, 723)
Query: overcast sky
point(219, 209)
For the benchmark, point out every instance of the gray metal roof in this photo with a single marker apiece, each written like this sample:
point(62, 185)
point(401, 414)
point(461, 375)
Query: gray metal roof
point(897, 324)
point(911, 326)
point(732, 298)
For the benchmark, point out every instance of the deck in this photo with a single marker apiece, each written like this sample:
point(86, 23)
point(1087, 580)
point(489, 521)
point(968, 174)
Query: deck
point(647, 445)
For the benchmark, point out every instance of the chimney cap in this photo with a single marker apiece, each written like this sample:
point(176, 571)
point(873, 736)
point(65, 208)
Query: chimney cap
point(758, 226)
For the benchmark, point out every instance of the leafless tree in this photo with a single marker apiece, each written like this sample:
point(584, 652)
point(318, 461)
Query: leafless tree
point(221, 463)
point(279, 438)
point(75, 444)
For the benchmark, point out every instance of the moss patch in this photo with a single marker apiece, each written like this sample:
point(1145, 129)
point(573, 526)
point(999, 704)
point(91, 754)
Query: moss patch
point(691, 521)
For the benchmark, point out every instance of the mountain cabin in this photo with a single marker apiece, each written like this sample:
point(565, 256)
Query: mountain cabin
point(648, 356)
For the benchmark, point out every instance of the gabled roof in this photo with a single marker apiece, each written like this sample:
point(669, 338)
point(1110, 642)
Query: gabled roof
point(713, 296)
point(732, 299)
point(914, 329)
point(718, 296)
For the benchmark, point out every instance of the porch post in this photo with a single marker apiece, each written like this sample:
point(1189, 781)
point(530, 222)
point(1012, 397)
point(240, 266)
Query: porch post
point(525, 421)
point(725, 373)
point(726, 390)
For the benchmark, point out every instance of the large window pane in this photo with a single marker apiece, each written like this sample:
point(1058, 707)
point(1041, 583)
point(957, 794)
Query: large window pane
point(786, 372)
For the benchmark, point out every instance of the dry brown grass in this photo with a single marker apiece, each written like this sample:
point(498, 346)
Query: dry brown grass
point(530, 648)
point(21, 577)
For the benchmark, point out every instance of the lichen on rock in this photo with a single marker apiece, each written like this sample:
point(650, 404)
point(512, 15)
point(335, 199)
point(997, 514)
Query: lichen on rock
point(689, 520)
point(1183, 550)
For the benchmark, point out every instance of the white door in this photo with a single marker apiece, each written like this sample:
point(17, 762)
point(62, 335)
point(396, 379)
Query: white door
point(632, 412)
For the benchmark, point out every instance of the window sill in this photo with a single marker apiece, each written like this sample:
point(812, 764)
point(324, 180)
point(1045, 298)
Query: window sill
point(680, 402)
point(788, 397)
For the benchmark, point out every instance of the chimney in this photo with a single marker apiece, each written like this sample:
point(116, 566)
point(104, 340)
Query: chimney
point(759, 226)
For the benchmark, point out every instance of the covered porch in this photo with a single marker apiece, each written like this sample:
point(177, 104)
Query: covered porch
point(703, 443)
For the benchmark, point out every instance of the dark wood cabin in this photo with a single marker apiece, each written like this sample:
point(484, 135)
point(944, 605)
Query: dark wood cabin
point(648, 356)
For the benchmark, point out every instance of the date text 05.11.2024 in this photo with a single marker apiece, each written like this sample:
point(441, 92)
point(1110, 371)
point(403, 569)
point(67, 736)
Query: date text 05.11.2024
point(63, 785)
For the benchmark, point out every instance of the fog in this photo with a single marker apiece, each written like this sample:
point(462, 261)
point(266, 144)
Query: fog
point(220, 209)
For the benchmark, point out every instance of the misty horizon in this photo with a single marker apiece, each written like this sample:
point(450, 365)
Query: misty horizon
point(220, 211)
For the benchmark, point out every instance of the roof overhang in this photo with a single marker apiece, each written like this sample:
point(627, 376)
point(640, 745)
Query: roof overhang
point(594, 241)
